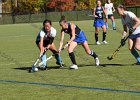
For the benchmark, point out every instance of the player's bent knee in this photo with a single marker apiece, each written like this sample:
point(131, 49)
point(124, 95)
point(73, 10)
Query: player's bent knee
point(69, 50)
point(137, 47)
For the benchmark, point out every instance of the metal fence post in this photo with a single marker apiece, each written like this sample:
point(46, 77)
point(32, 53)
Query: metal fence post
point(12, 12)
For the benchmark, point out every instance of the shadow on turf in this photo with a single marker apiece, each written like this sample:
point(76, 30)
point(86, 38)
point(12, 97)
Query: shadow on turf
point(50, 67)
point(105, 65)
point(79, 65)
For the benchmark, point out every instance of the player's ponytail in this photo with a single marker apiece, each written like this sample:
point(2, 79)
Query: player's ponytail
point(62, 19)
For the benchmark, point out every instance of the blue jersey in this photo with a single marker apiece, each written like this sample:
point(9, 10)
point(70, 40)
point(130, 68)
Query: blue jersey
point(68, 30)
point(99, 12)
point(80, 36)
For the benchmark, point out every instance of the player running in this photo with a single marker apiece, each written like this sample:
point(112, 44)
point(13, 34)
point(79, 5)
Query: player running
point(130, 20)
point(76, 36)
point(109, 10)
point(99, 22)
point(45, 40)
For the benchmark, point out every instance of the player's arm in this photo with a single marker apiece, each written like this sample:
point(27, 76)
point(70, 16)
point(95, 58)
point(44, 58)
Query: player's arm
point(124, 31)
point(104, 10)
point(41, 45)
point(113, 8)
point(137, 20)
point(61, 40)
point(94, 10)
point(124, 35)
point(73, 33)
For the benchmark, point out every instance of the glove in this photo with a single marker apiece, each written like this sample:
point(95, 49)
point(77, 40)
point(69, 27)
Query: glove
point(123, 42)
point(131, 30)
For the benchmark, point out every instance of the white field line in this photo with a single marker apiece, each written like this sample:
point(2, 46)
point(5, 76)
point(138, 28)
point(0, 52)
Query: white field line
point(15, 36)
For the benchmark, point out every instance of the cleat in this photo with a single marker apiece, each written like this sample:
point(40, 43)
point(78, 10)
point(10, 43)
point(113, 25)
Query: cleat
point(104, 42)
point(43, 68)
point(114, 28)
point(61, 65)
point(97, 62)
point(98, 43)
point(74, 66)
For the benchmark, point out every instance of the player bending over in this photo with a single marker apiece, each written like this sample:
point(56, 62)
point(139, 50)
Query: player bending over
point(109, 10)
point(99, 22)
point(76, 36)
point(130, 20)
point(44, 41)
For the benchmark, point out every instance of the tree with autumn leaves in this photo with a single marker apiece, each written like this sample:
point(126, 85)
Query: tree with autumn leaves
point(35, 6)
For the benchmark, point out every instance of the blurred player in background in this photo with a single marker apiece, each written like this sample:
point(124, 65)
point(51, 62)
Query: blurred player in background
point(76, 37)
point(130, 20)
point(45, 40)
point(109, 10)
point(99, 22)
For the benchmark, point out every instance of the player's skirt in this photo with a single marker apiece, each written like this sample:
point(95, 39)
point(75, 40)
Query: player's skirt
point(45, 42)
point(99, 23)
point(80, 38)
point(134, 36)
point(110, 15)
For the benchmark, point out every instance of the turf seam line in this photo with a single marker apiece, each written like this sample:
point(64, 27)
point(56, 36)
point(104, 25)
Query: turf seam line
point(71, 86)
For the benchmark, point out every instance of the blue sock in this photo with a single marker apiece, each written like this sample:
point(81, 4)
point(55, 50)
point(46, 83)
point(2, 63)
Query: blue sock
point(106, 25)
point(58, 59)
point(43, 59)
point(135, 54)
point(113, 24)
point(138, 59)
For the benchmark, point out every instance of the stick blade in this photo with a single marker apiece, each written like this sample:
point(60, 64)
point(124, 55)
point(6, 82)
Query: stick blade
point(109, 58)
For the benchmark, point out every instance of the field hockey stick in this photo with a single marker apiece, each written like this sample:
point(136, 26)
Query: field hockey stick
point(37, 61)
point(41, 63)
point(117, 50)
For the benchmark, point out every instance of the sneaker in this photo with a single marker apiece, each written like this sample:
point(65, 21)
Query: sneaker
point(74, 66)
point(104, 42)
point(61, 65)
point(43, 67)
point(98, 43)
point(114, 28)
point(97, 62)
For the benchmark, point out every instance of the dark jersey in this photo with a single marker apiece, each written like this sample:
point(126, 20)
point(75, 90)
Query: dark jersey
point(48, 37)
point(69, 31)
point(99, 12)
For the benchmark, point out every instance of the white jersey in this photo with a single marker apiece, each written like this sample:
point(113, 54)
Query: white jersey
point(109, 8)
point(128, 21)
point(46, 34)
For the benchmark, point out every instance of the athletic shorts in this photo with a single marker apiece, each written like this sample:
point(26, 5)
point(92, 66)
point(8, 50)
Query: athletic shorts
point(80, 38)
point(134, 36)
point(45, 43)
point(110, 15)
point(99, 23)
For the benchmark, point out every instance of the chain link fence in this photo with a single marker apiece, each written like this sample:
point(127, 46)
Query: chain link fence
point(12, 18)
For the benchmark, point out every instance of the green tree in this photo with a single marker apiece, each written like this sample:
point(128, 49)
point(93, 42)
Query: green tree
point(33, 6)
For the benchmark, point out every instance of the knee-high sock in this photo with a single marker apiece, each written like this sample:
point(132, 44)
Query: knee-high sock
point(135, 54)
point(104, 36)
point(96, 37)
point(113, 24)
point(43, 59)
point(58, 59)
point(93, 54)
point(72, 57)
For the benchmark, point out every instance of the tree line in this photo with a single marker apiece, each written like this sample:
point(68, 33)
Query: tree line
point(37, 6)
